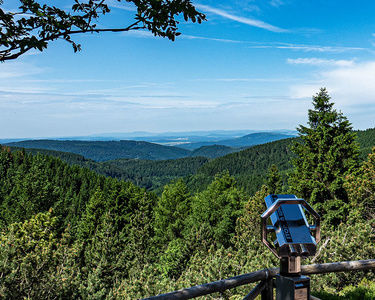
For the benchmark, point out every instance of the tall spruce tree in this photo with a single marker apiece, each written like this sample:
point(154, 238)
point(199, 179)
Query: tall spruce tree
point(171, 211)
point(274, 182)
point(325, 152)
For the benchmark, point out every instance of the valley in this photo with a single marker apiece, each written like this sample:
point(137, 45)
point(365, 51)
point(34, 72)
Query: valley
point(249, 166)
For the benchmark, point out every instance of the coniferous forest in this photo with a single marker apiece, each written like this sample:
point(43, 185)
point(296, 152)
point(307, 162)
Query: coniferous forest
point(69, 231)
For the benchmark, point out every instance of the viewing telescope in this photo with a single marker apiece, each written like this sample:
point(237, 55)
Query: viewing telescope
point(295, 239)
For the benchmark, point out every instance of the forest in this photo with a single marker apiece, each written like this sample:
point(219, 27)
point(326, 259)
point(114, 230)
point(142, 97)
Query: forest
point(156, 150)
point(249, 167)
point(68, 232)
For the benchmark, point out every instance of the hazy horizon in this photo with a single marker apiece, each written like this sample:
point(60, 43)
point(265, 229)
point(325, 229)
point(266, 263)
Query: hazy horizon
point(156, 134)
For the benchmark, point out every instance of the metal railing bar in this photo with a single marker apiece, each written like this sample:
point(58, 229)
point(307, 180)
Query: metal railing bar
point(217, 286)
point(343, 266)
point(255, 291)
point(230, 283)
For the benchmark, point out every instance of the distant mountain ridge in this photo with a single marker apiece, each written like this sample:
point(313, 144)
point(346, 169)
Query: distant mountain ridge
point(248, 140)
point(108, 150)
point(129, 149)
point(249, 166)
point(164, 138)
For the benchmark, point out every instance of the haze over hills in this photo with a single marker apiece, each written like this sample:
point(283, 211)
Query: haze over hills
point(244, 141)
point(249, 166)
point(165, 138)
point(130, 149)
point(109, 150)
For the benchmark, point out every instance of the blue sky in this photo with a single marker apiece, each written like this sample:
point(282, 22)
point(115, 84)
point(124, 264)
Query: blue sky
point(253, 65)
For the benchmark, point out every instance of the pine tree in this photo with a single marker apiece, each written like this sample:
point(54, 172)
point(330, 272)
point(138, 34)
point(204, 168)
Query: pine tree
point(171, 211)
point(326, 151)
point(274, 182)
point(215, 210)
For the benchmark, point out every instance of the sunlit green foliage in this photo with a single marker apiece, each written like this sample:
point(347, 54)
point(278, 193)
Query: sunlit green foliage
point(361, 188)
point(217, 209)
point(274, 182)
point(171, 211)
point(35, 263)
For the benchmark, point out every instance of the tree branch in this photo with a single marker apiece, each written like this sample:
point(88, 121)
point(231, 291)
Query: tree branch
point(48, 23)
point(130, 27)
point(4, 56)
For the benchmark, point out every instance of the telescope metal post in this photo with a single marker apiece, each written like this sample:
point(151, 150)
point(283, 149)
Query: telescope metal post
point(290, 284)
point(294, 240)
point(267, 293)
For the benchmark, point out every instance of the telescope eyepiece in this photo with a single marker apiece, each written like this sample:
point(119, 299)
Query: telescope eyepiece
point(292, 250)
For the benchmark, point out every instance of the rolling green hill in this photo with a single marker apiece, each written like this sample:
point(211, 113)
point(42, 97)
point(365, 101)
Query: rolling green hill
point(128, 149)
point(152, 175)
point(366, 140)
point(248, 166)
point(70, 158)
point(251, 165)
point(108, 150)
point(256, 158)
point(244, 141)
point(213, 151)
point(149, 174)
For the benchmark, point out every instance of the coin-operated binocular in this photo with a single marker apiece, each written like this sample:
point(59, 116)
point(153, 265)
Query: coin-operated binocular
point(295, 239)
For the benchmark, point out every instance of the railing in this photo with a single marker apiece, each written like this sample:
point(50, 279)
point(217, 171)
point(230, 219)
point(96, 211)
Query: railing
point(265, 277)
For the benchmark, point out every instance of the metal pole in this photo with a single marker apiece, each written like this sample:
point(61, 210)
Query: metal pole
point(267, 293)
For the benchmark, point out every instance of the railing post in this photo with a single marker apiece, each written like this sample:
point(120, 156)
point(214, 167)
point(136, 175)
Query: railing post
point(255, 291)
point(267, 293)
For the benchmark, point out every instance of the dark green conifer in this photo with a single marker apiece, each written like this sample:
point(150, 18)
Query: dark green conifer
point(171, 211)
point(326, 151)
point(215, 210)
point(274, 182)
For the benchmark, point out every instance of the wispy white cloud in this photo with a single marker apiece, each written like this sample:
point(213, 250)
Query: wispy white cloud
point(147, 34)
point(138, 33)
point(320, 48)
point(277, 3)
point(121, 5)
point(251, 79)
point(194, 37)
point(243, 20)
point(351, 87)
point(50, 97)
point(320, 62)
point(18, 69)
point(244, 5)
point(256, 45)
point(308, 48)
